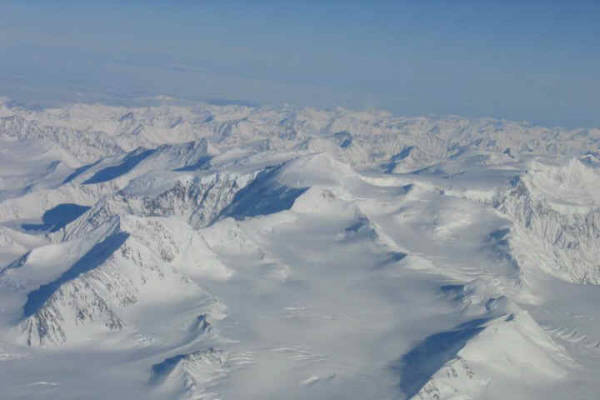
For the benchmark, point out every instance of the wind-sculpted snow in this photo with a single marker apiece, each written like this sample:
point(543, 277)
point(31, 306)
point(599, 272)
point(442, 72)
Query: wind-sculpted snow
point(208, 252)
point(192, 375)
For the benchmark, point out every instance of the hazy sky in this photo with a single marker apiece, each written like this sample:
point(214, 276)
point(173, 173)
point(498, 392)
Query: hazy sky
point(532, 60)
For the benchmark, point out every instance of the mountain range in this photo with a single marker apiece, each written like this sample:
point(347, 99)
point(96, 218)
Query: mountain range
point(243, 252)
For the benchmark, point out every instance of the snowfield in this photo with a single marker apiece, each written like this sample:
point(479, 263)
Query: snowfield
point(231, 252)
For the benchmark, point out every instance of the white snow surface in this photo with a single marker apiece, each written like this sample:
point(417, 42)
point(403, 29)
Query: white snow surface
point(236, 252)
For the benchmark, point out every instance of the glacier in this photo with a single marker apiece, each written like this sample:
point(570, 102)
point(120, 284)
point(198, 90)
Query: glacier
point(198, 251)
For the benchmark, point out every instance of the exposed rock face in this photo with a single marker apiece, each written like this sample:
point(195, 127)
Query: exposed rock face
point(94, 292)
point(556, 214)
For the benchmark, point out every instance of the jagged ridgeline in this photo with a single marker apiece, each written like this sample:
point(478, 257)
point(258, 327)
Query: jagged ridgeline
point(208, 252)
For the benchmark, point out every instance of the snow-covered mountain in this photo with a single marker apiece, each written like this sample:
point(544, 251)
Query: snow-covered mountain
point(227, 252)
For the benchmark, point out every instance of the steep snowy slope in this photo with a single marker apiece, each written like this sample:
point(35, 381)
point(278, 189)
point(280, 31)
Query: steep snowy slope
point(215, 252)
point(485, 358)
point(556, 214)
point(128, 261)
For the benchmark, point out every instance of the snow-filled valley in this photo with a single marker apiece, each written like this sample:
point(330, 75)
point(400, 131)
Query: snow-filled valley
point(181, 251)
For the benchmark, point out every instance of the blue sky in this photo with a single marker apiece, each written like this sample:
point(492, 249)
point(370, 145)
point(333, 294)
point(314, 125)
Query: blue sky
point(522, 60)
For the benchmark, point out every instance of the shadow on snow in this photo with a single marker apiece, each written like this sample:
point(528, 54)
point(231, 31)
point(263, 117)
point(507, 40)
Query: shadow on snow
point(58, 217)
point(92, 259)
point(416, 367)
